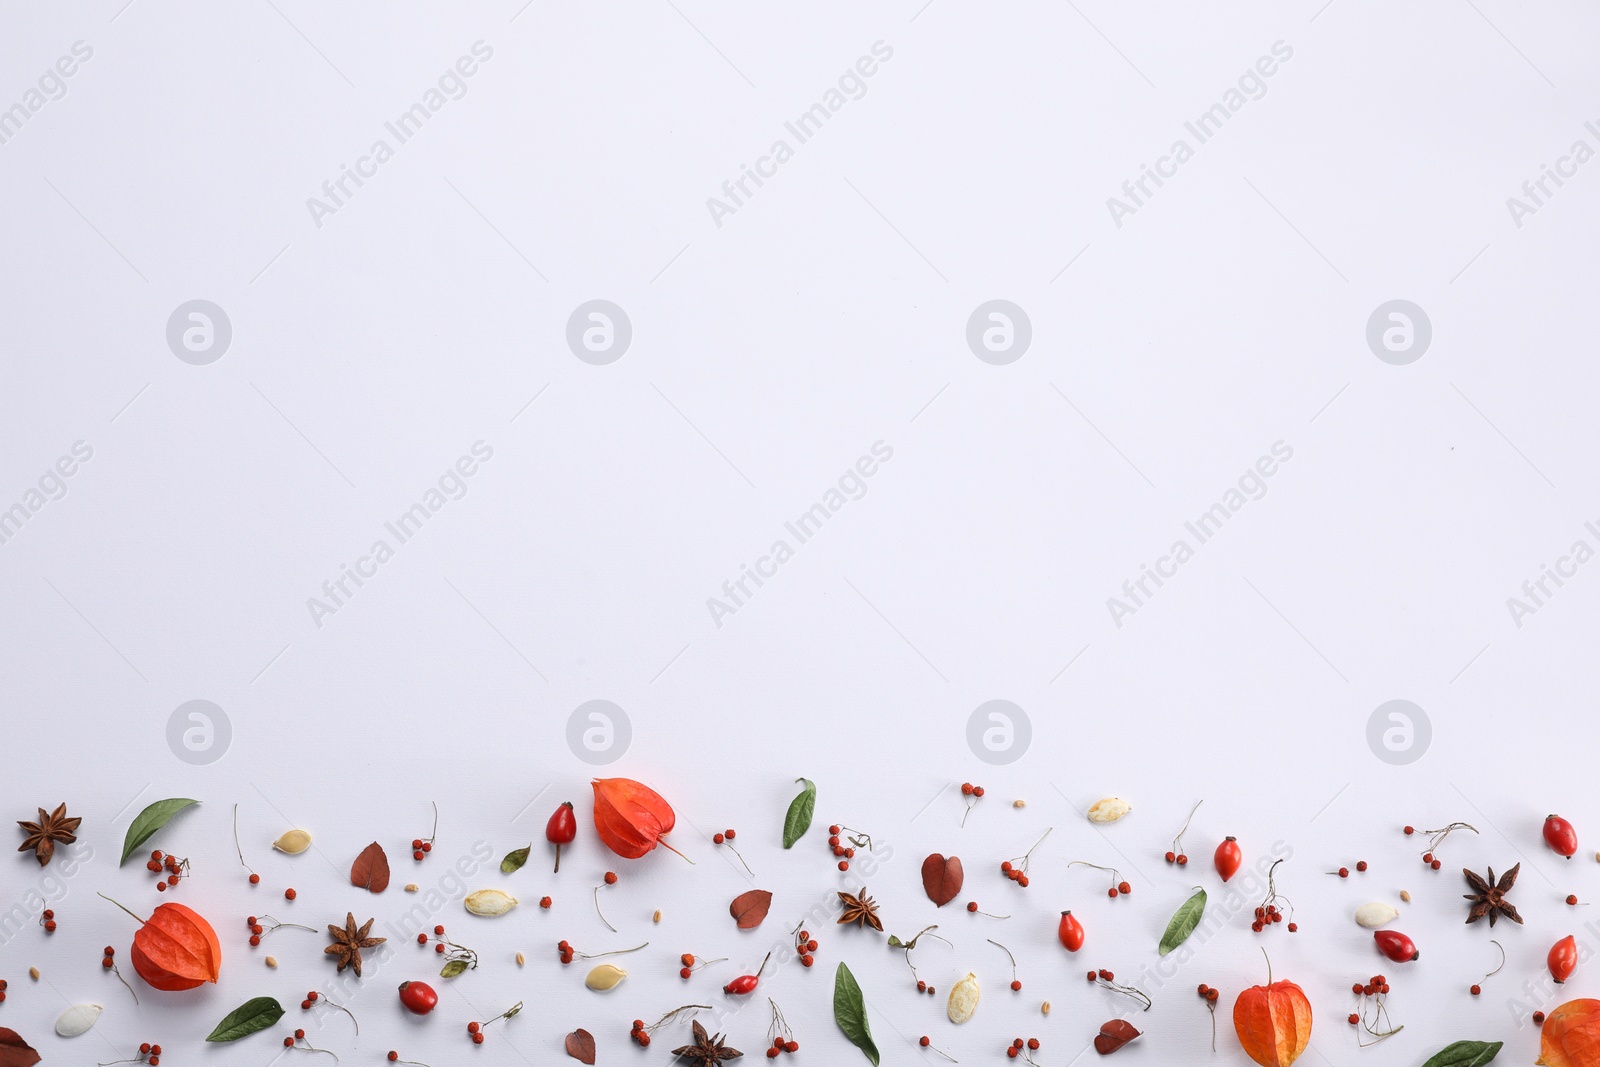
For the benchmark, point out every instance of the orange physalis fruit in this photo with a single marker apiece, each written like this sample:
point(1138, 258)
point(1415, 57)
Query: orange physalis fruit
point(630, 817)
point(1273, 1022)
point(1571, 1035)
point(176, 949)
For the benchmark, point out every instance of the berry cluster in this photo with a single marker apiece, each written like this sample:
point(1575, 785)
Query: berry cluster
point(1021, 1049)
point(1210, 995)
point(421, 846)
point(1344, 872)
point(3, 986)
point(726, 837)
point(261, 926)
point(1175, 854)
point(475, 1030)
point(297, 1040)
point(844, 843)
point(691, 963)
point(1435, 839)
point(640, 1035)
point(458, 958)
point(1372, 1009)
point(1268, 912)
point(47, 919)
point(1016, 868)
point(107, 962)
point(782, 1037)
point(148, 1053)
point(972, 793)
point(1119, 885)
point(314, 997)
point(1107, 980)
point(805, 946)
point(170, 868)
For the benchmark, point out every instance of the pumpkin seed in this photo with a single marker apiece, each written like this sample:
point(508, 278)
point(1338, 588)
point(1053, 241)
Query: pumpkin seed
point(605, 976)
point(1109, 809)
point(489, 902)
point(78, 1019)
point(293, 842)
point(963, 999)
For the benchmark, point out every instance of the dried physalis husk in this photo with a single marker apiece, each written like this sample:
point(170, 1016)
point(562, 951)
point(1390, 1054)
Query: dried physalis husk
point(963, 999)
point(605, 976)
point(1376, 914)
point(489, 902)
point(1109, 809)
point(293, 842)
point(78, 1019)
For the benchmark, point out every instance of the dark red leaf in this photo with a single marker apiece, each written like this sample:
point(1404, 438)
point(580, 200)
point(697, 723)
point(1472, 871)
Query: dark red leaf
point(580, 1045)
point(749, 909)
point(15, 1052)
point(1113, 1035)
point(371, 869)
point(942, 878)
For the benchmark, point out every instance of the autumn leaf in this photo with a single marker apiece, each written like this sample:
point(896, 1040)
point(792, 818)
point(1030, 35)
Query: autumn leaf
point(942, 878)
point(15, 1052)
point(580, 1045)
point(371, 869)
point(750, 909)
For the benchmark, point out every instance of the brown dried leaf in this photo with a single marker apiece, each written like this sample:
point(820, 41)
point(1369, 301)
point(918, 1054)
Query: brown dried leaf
point(15, 1052)
point(580, 1045)
point(371, 869)
point(1113, 1035)
point(749, 909)
point(942, 878)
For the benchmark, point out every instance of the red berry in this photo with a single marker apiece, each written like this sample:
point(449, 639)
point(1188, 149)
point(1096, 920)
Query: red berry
point(611, 878)
point(545, 902)
point(977, 790)
point(1361, 865)
point(416, 854)
point(427, 846)
point(422, 939)
point(255, 879)
point(1476, 990)
point(1183, 860)
point(416, 842)
point(1016, 986)
point(1410, 830)
point(972, 905)
point(289, 894)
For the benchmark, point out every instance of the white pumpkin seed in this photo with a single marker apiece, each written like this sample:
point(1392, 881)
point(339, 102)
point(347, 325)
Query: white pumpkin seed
point(963, 999)
point(1109, 809)
point(490, 902)
point(605, 976)
point(78, 1019)
point(1376, 914)
point(293, 842)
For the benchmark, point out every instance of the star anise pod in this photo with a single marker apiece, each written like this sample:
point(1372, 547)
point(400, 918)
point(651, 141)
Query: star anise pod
point(349, 940)
point(1489, 897)
point(707, 1049)
point(860, 909)
point(43, 835)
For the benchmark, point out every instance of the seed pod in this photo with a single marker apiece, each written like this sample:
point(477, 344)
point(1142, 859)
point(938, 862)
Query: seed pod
point(963, 999)
point(1109, 810)
point(656, 917)
point(33, 972)
point(521, 959)
point(1045, 1007)
point(489, 902)
point(78, 1019)
point(412, 887)
point(293, 842)
point(272, 961)
point(1376, 914)
point(605, 976)
point(1405, 895)
point(1019, 803)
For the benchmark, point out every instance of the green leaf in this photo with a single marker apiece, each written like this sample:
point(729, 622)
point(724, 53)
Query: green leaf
point(1465, 1054)
point(514, 860)
point(453, 968)
point(149, 821)
point(798, 820)
point(247, 1018)
point(850, 1012)
point(1184, 920)
point(895, 942)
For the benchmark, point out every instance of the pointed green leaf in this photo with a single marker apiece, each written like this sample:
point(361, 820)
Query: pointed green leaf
point(850, 1012)
point(798, 820)
point(1184, 920)
point(1465, 1054)
point(248, 1018)
point(149, 821)
point(453, 968)
point(515, 860)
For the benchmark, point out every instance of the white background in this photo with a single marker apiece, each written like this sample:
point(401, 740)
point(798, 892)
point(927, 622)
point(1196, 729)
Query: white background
point(768, 354)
